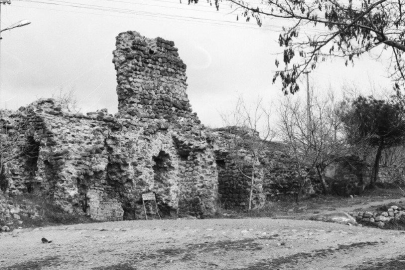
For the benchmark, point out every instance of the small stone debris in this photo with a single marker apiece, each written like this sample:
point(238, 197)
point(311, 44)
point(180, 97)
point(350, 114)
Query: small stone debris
point(379, 218)
point(5, 229)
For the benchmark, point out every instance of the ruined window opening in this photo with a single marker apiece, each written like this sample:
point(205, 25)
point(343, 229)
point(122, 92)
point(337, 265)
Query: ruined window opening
point(130, 210)
point(162, 169)
point(30, 187)
point(3, 180)
point(83, 199)
point(221, 163)
point(85, 203)
point(184, 156)
point(31, 152)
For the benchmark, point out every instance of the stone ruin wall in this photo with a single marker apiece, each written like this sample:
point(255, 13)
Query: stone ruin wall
point(233, 185)
point(100, 165)
point(71, 158)
point(152, 87)
point(275, 173)
point(151, 79)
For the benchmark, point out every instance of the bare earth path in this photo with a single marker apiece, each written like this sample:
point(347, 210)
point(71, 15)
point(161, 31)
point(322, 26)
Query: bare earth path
point(370, 204)
point(202, 244)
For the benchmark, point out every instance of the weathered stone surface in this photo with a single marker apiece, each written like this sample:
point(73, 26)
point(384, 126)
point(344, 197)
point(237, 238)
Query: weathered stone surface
point(234, 184)
point(100, 165)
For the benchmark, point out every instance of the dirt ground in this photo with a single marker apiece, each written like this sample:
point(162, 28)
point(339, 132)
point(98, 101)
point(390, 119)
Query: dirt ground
point(204, 244)
point(249, 243)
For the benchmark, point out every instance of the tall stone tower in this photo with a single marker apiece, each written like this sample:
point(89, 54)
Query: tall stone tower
point(172, 155)
point(151, 78)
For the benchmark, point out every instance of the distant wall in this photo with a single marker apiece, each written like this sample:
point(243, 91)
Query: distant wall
point(347, 175)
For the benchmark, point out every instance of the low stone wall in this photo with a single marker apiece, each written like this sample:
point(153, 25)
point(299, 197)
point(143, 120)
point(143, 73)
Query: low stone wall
point(234, 187)
point(11, 213)
point(103, 209)
point(282, 177)
point(275, 172)
point(235, 167)
point(379, 218)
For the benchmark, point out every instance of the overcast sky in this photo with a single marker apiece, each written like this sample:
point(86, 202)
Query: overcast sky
point(69, 45)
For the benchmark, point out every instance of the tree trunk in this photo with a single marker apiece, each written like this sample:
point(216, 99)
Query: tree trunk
point(251, 187)
point(376, 166)
point(297, 196)
point(324, 185)
point(301, 183)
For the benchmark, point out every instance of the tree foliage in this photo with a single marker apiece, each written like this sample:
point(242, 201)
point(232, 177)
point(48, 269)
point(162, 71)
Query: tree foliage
point(373, 120)
point(67, 99)
point(313, 140)
point(378, 123)
point(342, 29)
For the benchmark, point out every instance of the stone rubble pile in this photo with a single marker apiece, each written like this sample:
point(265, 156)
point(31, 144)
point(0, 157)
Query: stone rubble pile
point(380, 218)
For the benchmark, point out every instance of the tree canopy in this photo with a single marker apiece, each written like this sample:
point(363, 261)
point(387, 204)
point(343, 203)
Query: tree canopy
point(377, 123)
point(343, 29)
point(372, 120)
